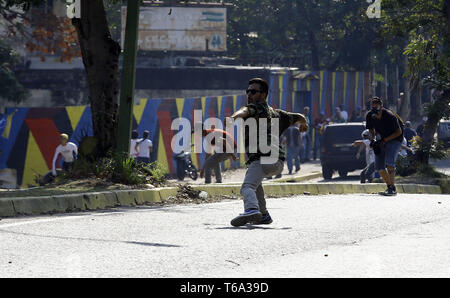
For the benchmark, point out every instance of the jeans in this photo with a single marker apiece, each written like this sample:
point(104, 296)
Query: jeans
point(67, 166)
point(252, 190)
point(145, 160)
point(292, 153)
point(213, 162)
point(388, 155)
point(305, 150)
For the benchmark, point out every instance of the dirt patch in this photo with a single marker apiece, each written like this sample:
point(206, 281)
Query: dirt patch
point(187, 195)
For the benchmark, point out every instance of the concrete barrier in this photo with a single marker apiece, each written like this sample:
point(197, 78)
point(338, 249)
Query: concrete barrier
point(103, 200)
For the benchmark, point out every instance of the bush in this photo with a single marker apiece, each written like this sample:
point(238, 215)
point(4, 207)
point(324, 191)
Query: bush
point(117, 168)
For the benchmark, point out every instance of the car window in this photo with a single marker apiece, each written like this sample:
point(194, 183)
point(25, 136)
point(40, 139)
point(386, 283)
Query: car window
point(343, 134)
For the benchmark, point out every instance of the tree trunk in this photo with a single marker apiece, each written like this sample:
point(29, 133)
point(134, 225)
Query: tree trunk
point(434, 116)
point(100, 55)
point(406, 100)
point(315, 65)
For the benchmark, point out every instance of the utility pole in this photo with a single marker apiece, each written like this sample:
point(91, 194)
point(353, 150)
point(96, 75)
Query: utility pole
point(128, 77)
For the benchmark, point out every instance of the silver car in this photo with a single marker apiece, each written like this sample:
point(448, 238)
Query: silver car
point(443, 132)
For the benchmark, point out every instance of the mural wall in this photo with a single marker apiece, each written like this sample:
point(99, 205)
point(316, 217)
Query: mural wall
point(29, 136)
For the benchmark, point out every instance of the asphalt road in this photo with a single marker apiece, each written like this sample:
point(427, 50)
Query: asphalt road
point(311, 236)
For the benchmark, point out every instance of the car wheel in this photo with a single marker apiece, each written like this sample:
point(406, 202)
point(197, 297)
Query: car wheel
point(327, 172)
point(342, 173)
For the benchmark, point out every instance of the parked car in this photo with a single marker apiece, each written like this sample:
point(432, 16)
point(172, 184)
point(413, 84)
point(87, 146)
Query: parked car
point(443, 132)
point(337, 153)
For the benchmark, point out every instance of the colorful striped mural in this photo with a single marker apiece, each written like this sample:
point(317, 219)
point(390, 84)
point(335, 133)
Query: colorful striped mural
point(29, 136)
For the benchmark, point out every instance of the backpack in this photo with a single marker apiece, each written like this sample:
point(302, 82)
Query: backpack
point(400, 120)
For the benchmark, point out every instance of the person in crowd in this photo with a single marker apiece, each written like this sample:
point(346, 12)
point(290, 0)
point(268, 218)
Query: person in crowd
point(357, 115)
point(419, 129)
point(343, 112)
point(409, 132)
point(68, 151)
point(338, 118)
point(292, 139)
point(219, 154)
point(133, 141)
point(318, 123)
point(305, 150)
point(143, 148)
point(368, 172)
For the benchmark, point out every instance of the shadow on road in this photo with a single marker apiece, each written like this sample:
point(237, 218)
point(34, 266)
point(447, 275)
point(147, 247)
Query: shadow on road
point(252, 227)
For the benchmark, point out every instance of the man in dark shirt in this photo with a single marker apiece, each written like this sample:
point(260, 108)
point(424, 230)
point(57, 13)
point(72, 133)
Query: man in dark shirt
point(259, 163)
point(221, 153)
point(292, 138)
point(383, 122)
point(409, 133)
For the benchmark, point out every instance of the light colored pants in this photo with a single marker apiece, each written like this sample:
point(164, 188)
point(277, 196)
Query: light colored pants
point(252, 190)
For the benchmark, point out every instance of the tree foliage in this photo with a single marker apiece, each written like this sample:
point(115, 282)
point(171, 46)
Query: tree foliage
point(10, 88)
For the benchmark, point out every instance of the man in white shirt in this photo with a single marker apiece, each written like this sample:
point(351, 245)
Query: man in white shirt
point(144, 147)
point(344, 113)
point(134, 140)
point(68, 151)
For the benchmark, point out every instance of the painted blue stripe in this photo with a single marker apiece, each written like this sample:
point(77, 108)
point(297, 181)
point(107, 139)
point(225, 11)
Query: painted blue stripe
point(16, 124)
point(149, 119)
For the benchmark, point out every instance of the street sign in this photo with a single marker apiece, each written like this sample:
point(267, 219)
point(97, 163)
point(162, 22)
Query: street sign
point(181, 28)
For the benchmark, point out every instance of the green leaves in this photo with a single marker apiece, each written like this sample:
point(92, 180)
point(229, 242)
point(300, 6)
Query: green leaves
point(10, 88)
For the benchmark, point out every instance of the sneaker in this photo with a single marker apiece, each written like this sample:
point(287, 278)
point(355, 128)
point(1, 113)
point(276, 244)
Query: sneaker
point(265, 220)
point(249, 216)
point(390, 191)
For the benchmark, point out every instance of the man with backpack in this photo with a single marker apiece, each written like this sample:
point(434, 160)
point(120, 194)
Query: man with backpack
point(389, 126)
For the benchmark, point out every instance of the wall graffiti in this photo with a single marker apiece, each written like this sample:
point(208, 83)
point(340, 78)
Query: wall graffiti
point(29, 136)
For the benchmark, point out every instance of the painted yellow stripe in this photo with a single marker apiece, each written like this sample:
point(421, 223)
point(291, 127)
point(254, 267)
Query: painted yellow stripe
point(75, 113)
point(294, 89)
point(203, 106)
point(7, 129)
point(138, 110)
point(34, 163)
point(194, 155)
point(219, 106)
point(180, 104)
point(162, 157)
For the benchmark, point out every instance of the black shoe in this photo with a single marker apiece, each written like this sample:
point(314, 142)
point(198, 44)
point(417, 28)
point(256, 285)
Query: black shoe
point(278, 176)
point(390, 191)
point(249, 216)
point(290, 172)
point(265, 220)
point(297, 169)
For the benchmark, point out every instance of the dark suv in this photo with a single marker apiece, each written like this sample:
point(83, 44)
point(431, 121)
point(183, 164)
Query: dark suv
point(337, 152)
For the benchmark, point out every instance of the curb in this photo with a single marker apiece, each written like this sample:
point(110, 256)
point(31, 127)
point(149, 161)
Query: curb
point(288, 189)
point(10, 207)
